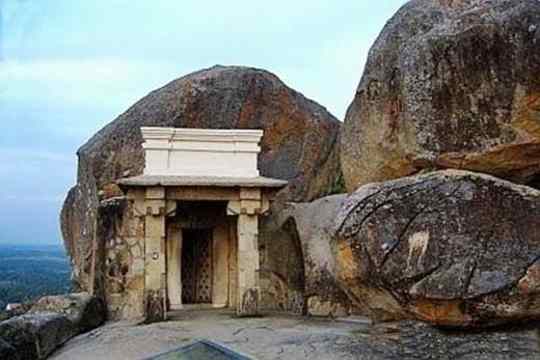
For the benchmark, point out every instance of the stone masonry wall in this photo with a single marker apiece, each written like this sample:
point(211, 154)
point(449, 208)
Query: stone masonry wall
point(120, 260)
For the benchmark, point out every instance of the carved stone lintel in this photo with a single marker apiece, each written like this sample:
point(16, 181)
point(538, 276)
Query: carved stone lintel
point(155, 193)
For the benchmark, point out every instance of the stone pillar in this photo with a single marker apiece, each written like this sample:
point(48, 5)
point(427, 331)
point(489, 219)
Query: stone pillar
point(233, 261)
point(248, 266)
point(154, 265)
point(220, 251)
point(247, 209)
point(174, 267)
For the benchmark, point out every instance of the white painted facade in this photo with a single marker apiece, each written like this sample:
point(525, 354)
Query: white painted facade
point(201, 152)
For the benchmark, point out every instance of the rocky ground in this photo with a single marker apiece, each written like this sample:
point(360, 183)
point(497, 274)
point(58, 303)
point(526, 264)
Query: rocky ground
point(47, 324)
point(287, 337)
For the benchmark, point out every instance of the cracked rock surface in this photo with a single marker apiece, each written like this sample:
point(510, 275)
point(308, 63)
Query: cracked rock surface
point(451, 248)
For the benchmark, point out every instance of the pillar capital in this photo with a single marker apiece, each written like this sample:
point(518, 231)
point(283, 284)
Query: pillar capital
point(252, 201)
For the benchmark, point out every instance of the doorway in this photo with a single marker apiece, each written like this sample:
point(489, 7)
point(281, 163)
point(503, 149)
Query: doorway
point(197, 266)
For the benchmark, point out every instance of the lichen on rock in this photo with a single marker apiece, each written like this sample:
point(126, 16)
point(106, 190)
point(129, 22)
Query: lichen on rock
point(449, 84)
point(450, 248)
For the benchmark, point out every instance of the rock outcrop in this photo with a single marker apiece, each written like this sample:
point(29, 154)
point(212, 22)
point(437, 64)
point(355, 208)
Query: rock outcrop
point(85, 311)
point(449, 84)
point(309, 225)
point(6, 350)
point(451, 248)
point(35, 336)
point(51, 322)
point(412, 340)
point(298, 144)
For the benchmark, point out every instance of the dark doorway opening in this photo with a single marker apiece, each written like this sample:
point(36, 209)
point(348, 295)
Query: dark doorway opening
point(197, 266)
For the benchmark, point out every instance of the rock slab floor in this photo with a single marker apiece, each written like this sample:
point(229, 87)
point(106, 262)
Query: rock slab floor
point(286, 337)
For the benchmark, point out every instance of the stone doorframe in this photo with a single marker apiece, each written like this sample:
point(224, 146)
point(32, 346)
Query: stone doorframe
point(223, 254)
point(156, 203)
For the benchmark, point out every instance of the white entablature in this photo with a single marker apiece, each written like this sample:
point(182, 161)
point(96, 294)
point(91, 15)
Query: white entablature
point(201, 152)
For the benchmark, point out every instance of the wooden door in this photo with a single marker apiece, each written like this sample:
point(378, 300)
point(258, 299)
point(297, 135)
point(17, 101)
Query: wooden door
point(197, 266)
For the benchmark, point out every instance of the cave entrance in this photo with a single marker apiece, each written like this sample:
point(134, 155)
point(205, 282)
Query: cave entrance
point(197, 269)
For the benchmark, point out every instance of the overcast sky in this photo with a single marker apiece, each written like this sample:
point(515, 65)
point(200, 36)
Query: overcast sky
point(68, 67)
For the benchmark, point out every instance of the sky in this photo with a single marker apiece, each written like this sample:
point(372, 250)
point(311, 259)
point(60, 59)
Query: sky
point(67, 68)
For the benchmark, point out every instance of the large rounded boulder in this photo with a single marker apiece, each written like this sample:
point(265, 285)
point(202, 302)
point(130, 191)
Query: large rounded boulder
point(449, 84)
point(298, 143)
point(451, 248)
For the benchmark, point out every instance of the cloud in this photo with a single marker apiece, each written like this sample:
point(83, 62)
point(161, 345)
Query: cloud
point(35, 171)
point(33, 198)
point(106, 82)
point(69, 67)
point(19, 20)
point(24, 155)
point(97, 70)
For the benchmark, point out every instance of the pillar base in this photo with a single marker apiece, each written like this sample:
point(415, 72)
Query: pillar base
point(154, 306)
point(249, 304)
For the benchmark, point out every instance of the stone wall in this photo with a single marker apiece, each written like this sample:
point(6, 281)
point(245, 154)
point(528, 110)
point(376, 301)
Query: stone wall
point(120, 258)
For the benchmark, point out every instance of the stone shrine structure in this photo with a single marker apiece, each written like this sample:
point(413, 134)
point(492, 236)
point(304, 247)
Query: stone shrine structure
point(196, 209)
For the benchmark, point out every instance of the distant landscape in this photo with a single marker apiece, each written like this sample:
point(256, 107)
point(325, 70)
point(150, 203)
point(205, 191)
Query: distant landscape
point(28, 272)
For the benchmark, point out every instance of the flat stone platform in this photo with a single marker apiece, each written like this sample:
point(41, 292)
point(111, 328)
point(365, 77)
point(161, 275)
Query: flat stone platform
point(216, 181)
point(289, 337)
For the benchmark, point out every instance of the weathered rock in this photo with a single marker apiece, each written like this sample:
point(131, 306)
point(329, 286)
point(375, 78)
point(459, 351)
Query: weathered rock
point(35, 336)
point(7, 351)
point(411, 340)
point(50, 322)
point(309, 225)
point(451, 248)
point(298, 145)
point(18, 310)
point(449, 84)
point(85, 311)
point(153, 301)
